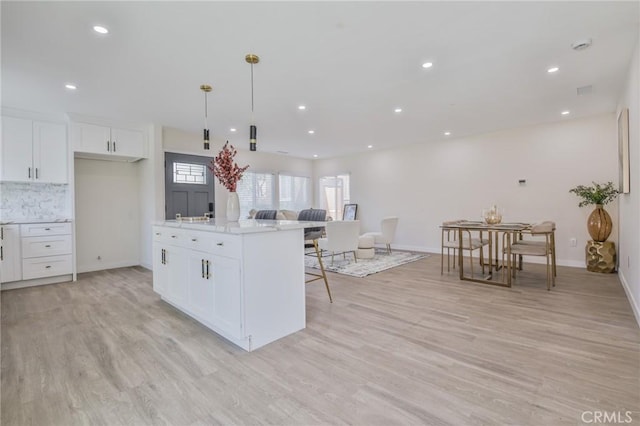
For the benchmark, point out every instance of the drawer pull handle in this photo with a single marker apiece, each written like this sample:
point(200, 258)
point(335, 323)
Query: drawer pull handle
point(48, 266)
point(194, 239)
point(202, 268)
point(220, 244)
point(157, 233)
point(173, 236)
point(48, 246)
point(47, 229)
point(208, 274)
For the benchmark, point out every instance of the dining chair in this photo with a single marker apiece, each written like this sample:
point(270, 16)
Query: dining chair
point(450, 242)
point(539, 244)
point(266, 214)
point(311, 236)
point(552, 241)
point(387, 232)
point(342, 237)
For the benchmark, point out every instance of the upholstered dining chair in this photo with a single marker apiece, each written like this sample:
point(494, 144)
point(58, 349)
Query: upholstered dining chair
point(552, 241)
point(387, 232)
point(311, 235)
point(450, 242)
point(540, 244)
point(342, 237)
point(266, 214)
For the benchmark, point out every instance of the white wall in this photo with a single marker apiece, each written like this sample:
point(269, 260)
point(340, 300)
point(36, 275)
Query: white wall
point(629, 247)
point(436, 181)
point(107, 214)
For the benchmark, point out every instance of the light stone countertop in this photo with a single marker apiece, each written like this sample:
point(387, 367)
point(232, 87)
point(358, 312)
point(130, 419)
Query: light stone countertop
point(26, 221)
point(246, 226)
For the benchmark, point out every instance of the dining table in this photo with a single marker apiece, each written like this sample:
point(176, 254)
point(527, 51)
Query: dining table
point(499, 234)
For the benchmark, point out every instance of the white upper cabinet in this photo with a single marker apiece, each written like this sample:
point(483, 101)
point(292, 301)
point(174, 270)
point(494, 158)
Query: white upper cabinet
point(108, 143)
point(33, 151)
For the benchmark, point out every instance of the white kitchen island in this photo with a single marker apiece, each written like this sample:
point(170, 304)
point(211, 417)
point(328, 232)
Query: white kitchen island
point(244, 280)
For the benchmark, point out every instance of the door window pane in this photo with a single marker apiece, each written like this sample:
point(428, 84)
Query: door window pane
point(189, 173)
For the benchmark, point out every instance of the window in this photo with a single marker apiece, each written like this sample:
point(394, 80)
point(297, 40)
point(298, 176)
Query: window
point(256, 191)
point(334, 194)
point(295, 192)
point(189, 173)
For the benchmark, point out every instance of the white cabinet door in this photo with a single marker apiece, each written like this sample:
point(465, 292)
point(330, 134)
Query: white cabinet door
point(201, 292)
point(17, 150)
point(50, 155)
point(175, 260)
point(10, 253)
point(90, 138)
point(227, 303)
point(128, 143)
point(160, 270)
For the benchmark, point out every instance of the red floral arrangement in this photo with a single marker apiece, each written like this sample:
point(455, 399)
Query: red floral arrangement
point(225, 169)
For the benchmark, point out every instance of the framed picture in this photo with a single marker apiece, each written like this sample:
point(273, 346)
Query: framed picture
point(349, 212)
point(623, 151)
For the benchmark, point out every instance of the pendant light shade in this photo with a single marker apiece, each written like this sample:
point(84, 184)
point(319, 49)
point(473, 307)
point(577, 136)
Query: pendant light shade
point(252, 59)
point(205, 134)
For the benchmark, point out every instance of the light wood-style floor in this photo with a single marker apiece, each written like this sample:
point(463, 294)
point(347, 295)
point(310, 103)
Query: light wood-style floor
point(405, 346)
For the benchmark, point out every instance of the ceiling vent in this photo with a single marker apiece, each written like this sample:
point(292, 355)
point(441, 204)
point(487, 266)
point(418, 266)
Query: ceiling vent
point(584, 90)
point(581, 44)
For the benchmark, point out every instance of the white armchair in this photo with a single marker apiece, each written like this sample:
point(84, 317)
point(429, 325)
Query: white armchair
point(342, 237)
point(387, 232)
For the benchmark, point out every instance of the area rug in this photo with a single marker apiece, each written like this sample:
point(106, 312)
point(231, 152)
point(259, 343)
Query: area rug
point(381, 262)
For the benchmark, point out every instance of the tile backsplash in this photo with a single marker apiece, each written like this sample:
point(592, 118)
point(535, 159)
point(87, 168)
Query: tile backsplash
point(34, 201)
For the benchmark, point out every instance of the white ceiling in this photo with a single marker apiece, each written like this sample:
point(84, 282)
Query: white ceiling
point(350, 63)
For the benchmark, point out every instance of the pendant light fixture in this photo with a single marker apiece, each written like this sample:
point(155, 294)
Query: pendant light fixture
point(206, 89)
point(252, 59)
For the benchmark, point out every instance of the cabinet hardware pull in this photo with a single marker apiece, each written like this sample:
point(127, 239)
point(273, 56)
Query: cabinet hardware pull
point(1, 253)
point(47, 229)
point(208, 275)
point(164, 256)
point(220, 244)
point(29, 172)
point(114, 146)
point(1, 233)
point(202, 268)
point(173, 236)
point(48, 266)
point(194, 239)
point(157, 233)
point(36, 173)
point(48, 246)
point(108, 147)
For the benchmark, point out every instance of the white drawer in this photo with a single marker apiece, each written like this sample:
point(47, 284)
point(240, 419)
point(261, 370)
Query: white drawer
point(222, 245)
point(46, 246)
point(43, 229)
point(50, 266)
point(171, 236)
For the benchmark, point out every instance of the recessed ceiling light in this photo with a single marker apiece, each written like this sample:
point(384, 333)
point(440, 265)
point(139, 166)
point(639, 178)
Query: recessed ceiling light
point(70, 86)
point(398, 110)
point(447, 133)
point(565, 112)
point(315, 155)
point(311, 132)
point(100, 29)
point(552, 70)
point(232, 129)
point(427, 65)
point(369, 146)
point(302, 107)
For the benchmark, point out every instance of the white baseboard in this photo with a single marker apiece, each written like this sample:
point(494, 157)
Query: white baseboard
point(146, 265)
point(635, 307)
point(101, 266)
point(37, 281)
